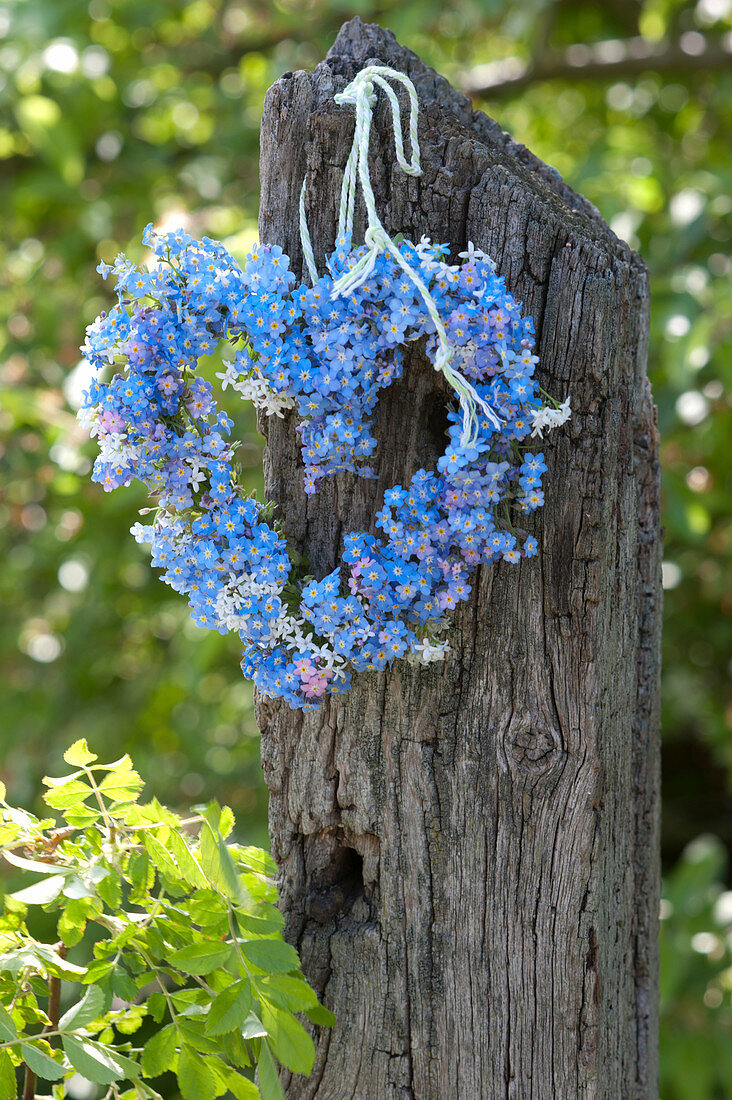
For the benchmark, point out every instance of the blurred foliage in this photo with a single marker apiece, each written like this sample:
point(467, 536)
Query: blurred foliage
point(696, 976)
point(113, 114)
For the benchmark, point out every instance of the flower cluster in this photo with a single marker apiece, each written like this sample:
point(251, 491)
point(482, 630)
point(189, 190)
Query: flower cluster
point(327, 356)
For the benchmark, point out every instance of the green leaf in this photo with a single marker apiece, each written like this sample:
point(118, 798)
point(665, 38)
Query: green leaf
point(40, 1061)
point(230, 1008)
point(78, 754)
point(58, 966)
point(69, 796)
point(275, 956)
point(258, 860)
point(41, 893)
point(269, 1082)
point(189, 869)
point(191, 1030)
point(77, 888)
point(159, 1052)
point(93, 1061)
point(289, 1040)
point(122, 785)
point(208, 908)
point(72, 921)
point(140, 874)
point(242, 1087)
point(123, 985)
point(195, 1079)
point(160, 856)
point(82, 815)
point(8, 1030)
point(88, 1008)
point(110, 889)
point(226, 821)
point(62, 780)
point(263, 925)
point(253, 1027)
point(38, 866)
point(200, 958)
point(218, 864)
point(286, 992)
point(8, 1087)
point(321, 1016)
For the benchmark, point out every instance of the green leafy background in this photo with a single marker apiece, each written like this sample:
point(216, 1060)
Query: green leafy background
point(114, 114)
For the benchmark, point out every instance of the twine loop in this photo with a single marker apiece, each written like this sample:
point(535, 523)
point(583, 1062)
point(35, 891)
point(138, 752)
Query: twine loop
point(361, 95)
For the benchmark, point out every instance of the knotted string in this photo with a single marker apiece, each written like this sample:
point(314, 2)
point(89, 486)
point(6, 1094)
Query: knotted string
point(361, 95)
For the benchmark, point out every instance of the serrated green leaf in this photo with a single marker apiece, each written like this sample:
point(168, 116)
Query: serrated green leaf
point(191, 1030)
point(157, 1006)
point(110, 889)
point(41, 1061)
point(140, 874)
point(207, 908)
point(188, 866)
point(122, 785)
point(71, 795)
point(268, 1081)
point(230, 1008)
point(275, 956)
point(123, 764)
point(130, 1019)
point(123, 985)
point(62, 780)
point(263, 925)
point(72, 922)
point(159, 1052)
point(218, 864)
point(92, 1061)
point(8, 1087)
point(242, 1087)
point(88, 1008)
point(99, 970)
point(321, 1016)
point(253, 1027)
point(289, 1040)
point(14, 961)
point(226, 821)
point(8, 1030)
point(58, 966)
point(195, 1079)
point(37, 865)
point(258, 860)
point(160, 856)
point(77, 887)
point(200, 958)
point(286, 992)
point(41, 893)
point(78, 754)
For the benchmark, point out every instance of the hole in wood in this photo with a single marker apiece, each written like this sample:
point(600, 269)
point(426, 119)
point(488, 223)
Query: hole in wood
point(344, 875)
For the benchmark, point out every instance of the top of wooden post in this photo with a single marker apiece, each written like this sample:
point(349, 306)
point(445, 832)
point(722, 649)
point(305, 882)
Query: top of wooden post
point(446, 113)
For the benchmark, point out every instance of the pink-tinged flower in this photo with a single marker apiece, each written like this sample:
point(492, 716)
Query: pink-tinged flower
point(111, 421)
point(446, 600)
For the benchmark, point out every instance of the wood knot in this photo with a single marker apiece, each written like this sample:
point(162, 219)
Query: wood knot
point(534, 748)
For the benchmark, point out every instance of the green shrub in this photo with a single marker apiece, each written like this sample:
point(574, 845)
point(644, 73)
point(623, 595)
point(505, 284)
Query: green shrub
point(162, 928)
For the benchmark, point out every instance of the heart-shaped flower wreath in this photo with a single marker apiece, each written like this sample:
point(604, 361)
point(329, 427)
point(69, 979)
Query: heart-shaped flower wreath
point(326, 350)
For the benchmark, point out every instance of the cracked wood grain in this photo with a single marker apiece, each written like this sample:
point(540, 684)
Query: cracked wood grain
point(468, 854)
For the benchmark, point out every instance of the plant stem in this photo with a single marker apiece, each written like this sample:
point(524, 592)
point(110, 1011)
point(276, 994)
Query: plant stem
point(54, 1002)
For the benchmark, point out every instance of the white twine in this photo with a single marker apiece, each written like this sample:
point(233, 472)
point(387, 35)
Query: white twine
point(360, 94)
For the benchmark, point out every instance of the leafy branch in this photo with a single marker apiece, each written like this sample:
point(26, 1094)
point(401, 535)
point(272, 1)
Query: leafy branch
point(186, 948)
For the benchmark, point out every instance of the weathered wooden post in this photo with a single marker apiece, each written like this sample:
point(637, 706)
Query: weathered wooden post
point(469, 852)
